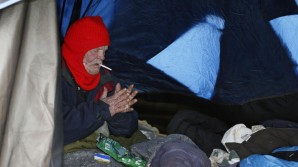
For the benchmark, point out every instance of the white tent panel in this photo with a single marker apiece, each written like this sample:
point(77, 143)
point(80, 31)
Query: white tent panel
point(29, 136)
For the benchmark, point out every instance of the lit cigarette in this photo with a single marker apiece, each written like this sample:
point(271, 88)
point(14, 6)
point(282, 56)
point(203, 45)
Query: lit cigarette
point(106, 67)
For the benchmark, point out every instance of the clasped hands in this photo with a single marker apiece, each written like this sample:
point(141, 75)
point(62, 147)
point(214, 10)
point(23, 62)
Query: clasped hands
point(121, 101)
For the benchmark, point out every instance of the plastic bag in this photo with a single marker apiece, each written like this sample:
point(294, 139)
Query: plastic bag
point(118, 152)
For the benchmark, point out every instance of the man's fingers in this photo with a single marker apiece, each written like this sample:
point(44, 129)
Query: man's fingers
point(129, 89)
point(124, 108)
point(132, 102)
point(118, 87)
point(104, 93)
point(134, 93)
point(126, 102)
point(122, 103)
point(119, 93)
point(123, 99)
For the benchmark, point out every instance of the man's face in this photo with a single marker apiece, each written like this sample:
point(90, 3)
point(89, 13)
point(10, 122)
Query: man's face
point(93, 59)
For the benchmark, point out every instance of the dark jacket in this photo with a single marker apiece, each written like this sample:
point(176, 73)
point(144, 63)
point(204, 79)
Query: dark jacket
point(83, 113)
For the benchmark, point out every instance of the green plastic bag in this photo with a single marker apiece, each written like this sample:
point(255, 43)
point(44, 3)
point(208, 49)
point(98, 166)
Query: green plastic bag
point(118, 152)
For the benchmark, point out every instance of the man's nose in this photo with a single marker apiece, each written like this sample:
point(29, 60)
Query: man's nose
point(101, 54)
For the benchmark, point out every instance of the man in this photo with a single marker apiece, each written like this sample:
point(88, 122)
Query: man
point(90, 95)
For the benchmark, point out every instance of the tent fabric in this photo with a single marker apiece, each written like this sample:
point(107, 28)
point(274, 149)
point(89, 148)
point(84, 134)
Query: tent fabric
point(256, 78)
point(5, 3)
point(146, 38)
point(142, 29)
point(266, 161)
point(145, 77)
point(254, 64)
point(180, 61)
point(31, 126)
point(103, 8)
point(248, 69)
point(271, 160)
point(9, 31)
point(285, 29)
point(148, 29)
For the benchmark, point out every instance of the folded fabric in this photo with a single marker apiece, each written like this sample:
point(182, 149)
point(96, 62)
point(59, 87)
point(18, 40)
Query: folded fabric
point(147, 149)
point(265, 141)
point(236, 134)
point(279, 123)
point(204, 130)
point(180, 153)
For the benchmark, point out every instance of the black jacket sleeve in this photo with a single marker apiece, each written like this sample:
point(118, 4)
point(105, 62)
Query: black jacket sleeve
point(83, 119)
point(123, 124)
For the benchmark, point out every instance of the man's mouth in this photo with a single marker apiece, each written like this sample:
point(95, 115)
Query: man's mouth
point(96, 64)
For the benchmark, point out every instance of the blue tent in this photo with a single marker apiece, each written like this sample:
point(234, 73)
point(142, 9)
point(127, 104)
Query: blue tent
point(223, 57)
point(235, 60)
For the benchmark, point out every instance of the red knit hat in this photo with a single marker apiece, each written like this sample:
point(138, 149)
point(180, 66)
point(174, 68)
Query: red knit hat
point(83, 35)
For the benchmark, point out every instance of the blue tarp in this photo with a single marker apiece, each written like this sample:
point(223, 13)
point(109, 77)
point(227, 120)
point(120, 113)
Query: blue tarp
point(268, 160)
point(231, 52)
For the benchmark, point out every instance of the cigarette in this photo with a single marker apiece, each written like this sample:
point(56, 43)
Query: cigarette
point(106, 67)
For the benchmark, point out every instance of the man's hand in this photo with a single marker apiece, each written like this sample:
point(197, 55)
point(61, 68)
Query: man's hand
point(121, 101)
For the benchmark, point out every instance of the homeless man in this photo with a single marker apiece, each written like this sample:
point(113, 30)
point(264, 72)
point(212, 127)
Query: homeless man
point(91, 95)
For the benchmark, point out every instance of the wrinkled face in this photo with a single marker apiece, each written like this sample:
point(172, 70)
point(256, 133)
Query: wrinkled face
point(93, 59)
